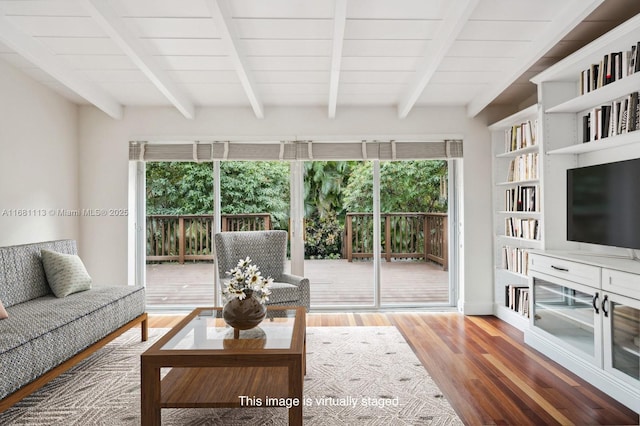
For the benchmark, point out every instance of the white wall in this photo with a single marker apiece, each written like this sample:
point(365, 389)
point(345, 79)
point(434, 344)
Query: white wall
point(38, 161)
point(477, 292)
point(104, 169)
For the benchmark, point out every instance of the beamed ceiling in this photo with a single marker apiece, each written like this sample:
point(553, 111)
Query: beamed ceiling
point(322, 53)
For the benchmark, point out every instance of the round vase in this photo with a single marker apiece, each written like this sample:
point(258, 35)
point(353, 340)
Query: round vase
point(244, 314)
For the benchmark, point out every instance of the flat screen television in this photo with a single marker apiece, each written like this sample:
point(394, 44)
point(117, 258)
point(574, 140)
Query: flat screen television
point(603, 204)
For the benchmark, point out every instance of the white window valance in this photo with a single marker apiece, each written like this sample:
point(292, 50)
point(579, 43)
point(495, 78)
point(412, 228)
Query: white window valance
point(294, 150)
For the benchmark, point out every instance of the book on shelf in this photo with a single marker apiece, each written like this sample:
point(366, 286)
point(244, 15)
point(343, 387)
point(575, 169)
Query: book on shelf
point(520, 136)
point(515, 259)
point(523, 167)
point(613, 67)
point(616, 118)
point(632, 112)
point(525, 228)
point(517, 299)
point(585, 81)
point(523, 198)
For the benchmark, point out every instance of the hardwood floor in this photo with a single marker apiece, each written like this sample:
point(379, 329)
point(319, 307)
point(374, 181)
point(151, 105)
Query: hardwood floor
point(485, 370)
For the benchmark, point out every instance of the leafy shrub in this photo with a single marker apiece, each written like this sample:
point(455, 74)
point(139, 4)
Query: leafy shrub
point(323, 237)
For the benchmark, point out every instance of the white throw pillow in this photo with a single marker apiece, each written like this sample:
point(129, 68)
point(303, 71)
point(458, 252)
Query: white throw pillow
point(66, 273)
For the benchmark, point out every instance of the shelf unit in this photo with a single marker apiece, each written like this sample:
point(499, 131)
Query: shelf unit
point(608, 353)
point(611, 91)
point(604, 144)
point(502, 157)
point(563, 79)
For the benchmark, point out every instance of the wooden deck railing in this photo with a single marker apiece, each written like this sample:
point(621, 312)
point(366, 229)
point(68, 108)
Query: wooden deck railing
point(404, 236)
point(188, 237)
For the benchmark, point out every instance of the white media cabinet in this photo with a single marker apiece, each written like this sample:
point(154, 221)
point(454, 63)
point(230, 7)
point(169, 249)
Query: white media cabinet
point(585, 314)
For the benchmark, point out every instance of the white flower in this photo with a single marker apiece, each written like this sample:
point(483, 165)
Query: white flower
point(254, 280)
point(246, 276)
point(266, 283)
point(244, 263)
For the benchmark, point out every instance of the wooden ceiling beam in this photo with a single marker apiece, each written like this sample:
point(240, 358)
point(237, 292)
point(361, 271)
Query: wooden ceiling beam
point(339, 23)
point(456, 16)
point(221, 14)
point(116, 29)
point(36, 53)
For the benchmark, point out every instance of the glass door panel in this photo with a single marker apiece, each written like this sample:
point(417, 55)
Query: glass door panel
point(339, 232)
point(624, 317)
point(179, 224)
point(414, 233)
point(566, 313)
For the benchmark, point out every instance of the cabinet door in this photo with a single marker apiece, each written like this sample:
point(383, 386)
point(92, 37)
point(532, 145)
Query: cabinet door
point(568, 313)
point(621, 328)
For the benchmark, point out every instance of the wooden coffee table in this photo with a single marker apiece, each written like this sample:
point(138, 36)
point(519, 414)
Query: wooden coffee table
point(210, 368)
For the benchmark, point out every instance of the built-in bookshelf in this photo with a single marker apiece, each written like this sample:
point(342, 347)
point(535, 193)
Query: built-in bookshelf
point(607, 113)
point(517, 210)
point(583, 122)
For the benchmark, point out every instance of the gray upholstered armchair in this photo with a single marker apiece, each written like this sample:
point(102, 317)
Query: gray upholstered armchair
point(267, 250)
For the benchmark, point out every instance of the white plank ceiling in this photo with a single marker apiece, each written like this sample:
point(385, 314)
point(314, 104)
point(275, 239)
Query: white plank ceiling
point(257, 53)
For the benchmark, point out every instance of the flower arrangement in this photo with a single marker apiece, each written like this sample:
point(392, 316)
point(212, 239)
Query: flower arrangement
point(245, 279)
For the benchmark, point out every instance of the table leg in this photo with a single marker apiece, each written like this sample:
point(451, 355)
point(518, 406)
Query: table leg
point(296, 374)
point(150, 395)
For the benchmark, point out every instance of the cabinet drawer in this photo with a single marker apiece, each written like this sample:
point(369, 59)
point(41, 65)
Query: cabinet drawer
point(621, 283)
point(573, 271)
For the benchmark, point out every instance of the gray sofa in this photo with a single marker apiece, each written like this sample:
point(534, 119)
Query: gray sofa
point(45, 335)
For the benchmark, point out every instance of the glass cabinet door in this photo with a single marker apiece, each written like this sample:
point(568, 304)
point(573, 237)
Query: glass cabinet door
point(569, 312)
point(622, 335)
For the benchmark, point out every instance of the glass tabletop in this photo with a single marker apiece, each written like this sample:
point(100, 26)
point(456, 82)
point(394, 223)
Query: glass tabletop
point(208, 331)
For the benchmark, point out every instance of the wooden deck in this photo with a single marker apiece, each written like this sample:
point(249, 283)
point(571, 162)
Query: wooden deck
point(333, 283)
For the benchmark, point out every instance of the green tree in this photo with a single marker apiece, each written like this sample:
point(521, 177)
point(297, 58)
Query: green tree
point(405, 186)
point(323, 185)
point(247, 187)
point(179, 188)
point(256, 187)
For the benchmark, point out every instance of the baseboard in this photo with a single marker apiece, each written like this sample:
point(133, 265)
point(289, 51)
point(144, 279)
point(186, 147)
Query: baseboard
point(475, 308)
point(508, 315)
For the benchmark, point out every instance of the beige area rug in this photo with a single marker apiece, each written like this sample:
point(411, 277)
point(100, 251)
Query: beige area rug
point(355, 376)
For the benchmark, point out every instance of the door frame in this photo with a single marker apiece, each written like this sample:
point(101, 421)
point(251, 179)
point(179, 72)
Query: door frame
point(137, 230)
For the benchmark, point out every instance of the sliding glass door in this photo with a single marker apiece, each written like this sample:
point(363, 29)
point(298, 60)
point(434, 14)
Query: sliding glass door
point(179, 260)
point(339, 233)
point(377, 233)
point(415, 235)
point(178, 234)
